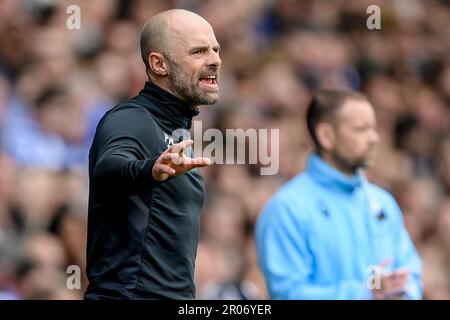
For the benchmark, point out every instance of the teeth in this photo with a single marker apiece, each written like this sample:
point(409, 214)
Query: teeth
point(210, 77)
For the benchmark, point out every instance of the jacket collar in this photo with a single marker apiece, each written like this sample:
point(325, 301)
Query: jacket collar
point(331, 178)
point(176, 112)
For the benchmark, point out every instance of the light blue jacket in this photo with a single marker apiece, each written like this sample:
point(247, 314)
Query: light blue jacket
point(321, 234)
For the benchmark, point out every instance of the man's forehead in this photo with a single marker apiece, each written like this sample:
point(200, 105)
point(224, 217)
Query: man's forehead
point(195, 39)
point(355, 113)
point(355, 110)
point(355, 106)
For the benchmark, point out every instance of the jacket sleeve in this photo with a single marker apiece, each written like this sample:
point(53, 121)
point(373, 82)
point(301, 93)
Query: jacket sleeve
point(287, 263)
point(406, 256)
point(124, 140)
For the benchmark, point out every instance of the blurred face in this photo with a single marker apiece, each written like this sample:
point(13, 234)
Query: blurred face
point(356, 137)
point(194, 64)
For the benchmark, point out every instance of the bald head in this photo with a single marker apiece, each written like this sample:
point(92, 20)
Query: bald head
point(181, 55)
point(160, 31)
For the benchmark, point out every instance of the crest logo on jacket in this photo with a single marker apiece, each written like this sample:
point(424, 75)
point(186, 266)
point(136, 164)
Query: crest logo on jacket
point(168, 140)
point(323, 208)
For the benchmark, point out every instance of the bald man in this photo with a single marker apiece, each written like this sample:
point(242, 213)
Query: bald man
point(146, 192)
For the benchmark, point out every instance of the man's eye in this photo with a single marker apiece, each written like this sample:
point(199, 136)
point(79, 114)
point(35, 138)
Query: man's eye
point(360, 129)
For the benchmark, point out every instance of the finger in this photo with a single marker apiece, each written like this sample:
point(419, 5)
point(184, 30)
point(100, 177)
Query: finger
point(401, 272)
point(166, 157)
point(162, 168)
point(394, 295)
point(188, 143)
point(197, 162)
point(385, 263)
point(176, 159)
point(395, 289)
point(395, 282)
point(171, 158)
point(179, 147)
point(402, 279)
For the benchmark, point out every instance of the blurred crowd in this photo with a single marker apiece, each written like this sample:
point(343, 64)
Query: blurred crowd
point(56, 83)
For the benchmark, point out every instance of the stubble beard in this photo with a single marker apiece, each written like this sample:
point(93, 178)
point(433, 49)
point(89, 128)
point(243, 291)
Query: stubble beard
point(349, 165)
point(186, 87)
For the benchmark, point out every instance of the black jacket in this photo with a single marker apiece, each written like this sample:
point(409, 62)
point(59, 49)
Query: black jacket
point(142, 234)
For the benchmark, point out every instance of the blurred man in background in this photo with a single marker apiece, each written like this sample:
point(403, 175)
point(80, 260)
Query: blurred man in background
point(328, 233)
point(145, 199)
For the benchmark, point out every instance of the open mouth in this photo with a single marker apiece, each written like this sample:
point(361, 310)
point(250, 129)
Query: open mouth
point(209, 81)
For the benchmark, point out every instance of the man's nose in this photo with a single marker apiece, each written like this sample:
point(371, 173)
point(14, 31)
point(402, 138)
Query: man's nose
point(214, 59)
point(374, 137)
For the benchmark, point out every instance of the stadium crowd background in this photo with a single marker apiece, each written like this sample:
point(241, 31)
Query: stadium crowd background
point(56, 83)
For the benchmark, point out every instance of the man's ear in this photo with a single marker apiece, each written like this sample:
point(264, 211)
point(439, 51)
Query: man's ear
point(157, 63)
point(326, 135)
